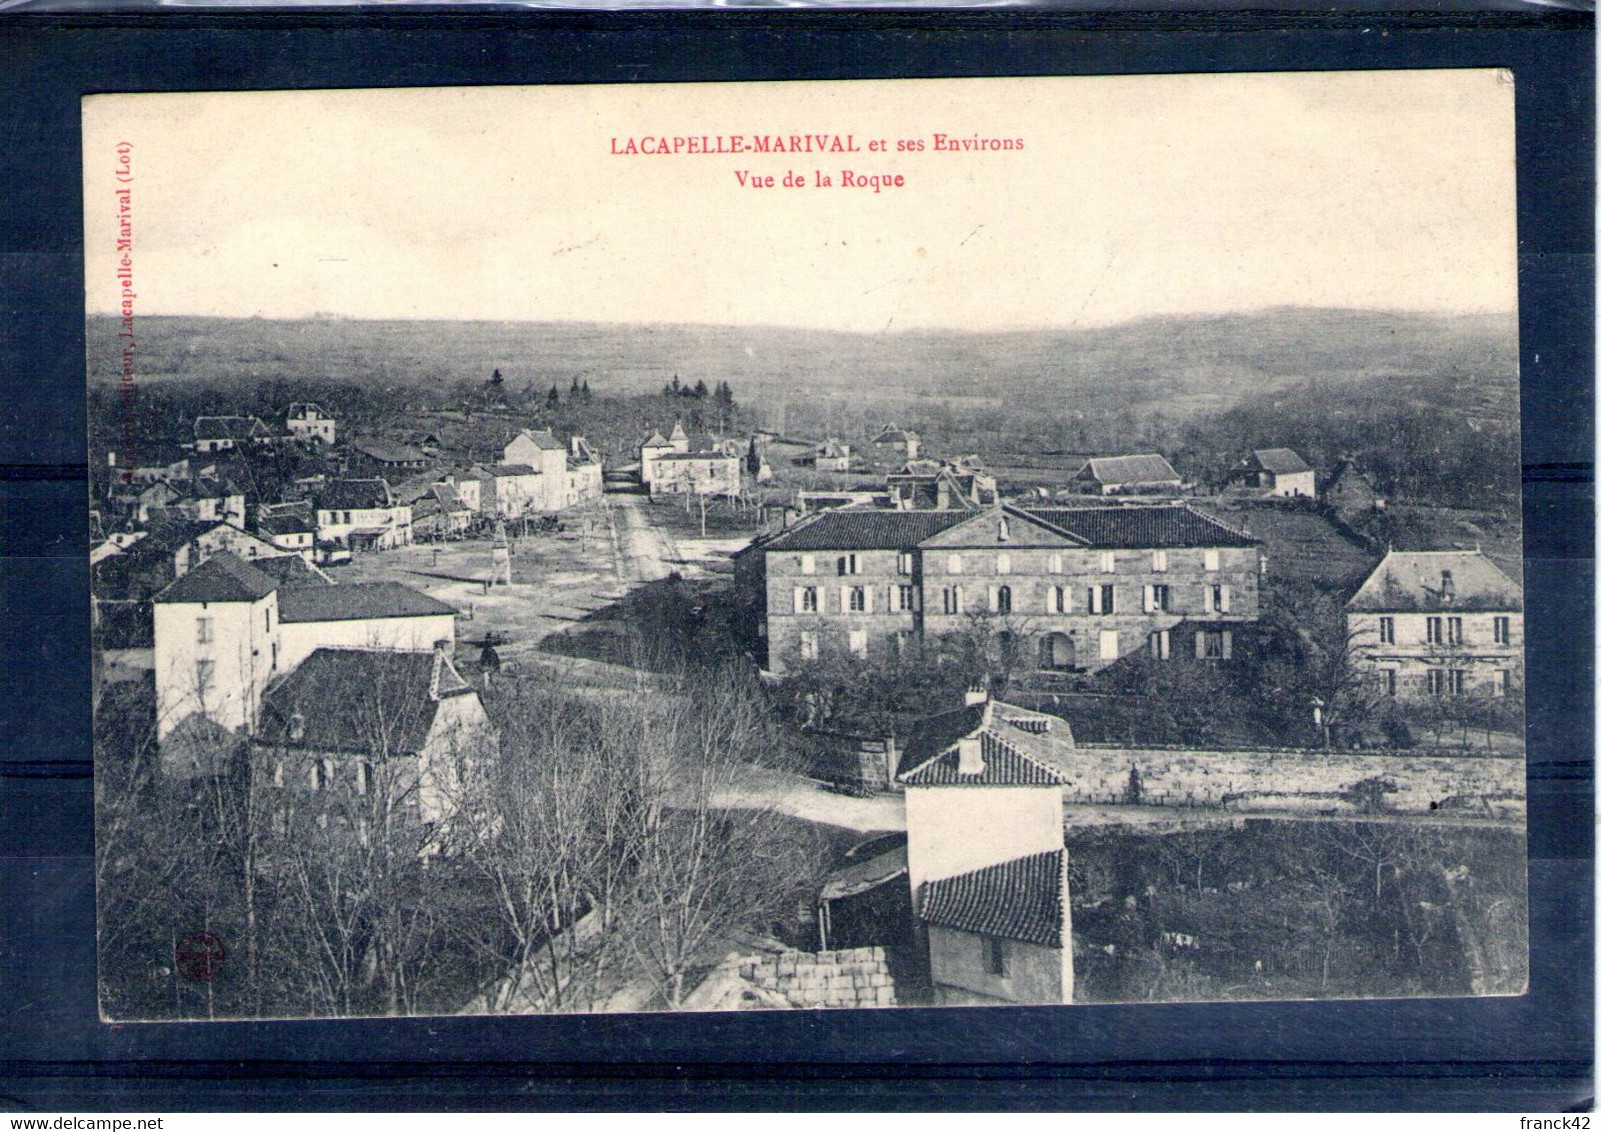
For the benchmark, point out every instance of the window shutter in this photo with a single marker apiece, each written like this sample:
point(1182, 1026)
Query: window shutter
point(1200, 646)
point(1225, 602)
point(1228, 645)
point(867, 599)
point(1150, 599)
point(799, 592)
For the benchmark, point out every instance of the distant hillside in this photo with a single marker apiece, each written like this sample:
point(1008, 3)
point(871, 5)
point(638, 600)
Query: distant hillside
point(1186, 365)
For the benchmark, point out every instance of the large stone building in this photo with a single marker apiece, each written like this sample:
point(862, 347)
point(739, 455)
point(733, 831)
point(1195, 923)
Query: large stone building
point(1440, 622)
point(1064, 588)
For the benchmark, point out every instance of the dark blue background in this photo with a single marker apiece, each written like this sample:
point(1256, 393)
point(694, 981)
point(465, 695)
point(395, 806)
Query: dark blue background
point(1532, 1053)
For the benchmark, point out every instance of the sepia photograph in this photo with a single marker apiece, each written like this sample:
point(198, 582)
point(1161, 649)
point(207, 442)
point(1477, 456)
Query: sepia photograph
point(805, 545)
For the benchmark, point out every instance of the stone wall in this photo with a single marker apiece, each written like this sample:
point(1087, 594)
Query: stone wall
point(1319, 781)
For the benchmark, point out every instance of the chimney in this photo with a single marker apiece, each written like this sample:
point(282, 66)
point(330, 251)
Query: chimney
point(970, 755)
point(1447, 587)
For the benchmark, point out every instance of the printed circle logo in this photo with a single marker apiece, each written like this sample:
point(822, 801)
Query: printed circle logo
point(200, 957)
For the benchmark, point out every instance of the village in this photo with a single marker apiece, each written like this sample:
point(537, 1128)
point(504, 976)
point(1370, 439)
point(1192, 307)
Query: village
point(914, 726)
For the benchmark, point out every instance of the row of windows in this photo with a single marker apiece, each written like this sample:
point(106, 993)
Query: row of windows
point(320, 775)
point(846, 564)
point(1449, 681)
point(1056, 649)
point(1100, 599)
point(1446, 631)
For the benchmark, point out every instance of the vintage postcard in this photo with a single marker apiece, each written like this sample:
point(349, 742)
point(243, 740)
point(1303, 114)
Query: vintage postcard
point(806, 545)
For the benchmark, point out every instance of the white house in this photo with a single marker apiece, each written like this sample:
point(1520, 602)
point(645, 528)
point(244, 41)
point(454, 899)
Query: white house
point(1439, 622)
point(361, 515)
point(223, 434)
point(985, 854)
point(225, 629)
point(1278, 472)
point(307, 421)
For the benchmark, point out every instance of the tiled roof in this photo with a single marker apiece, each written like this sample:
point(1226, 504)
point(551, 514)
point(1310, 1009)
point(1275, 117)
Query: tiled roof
point(387, 453)
point(656, 440)
point(288, 523)
point(1004, 765)
point(353, 495)
point(291, 570)
point(353, 700)
point(544, 438)
point(867, 530)
point(1019, 747)
point(1411, 580)
point(229, 428)
point(1144, 468)
point(357, 601)
point(222, 577)
point(709, 455)
point(1279, 461)
point(1019, 899)
point(853, 978)
point(302, 408)
point(505, 471)
point(1115, 528)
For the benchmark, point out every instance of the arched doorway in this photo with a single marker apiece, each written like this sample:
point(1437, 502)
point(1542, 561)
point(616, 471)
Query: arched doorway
point(1057, 651)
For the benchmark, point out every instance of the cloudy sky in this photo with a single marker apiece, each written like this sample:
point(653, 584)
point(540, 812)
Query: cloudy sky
point(1132, 196)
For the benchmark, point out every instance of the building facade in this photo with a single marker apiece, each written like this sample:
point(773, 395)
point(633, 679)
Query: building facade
point(361, 514)
point(226, 629)
point(1063, 588)
point(1438, 623)
point(307, 422)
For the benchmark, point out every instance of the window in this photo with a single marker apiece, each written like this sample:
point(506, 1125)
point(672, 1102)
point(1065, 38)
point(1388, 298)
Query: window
point(266, 617)
point(1108, 562)
point(347, 517)
point(1056, 564)
point(1503, 682)
point(808, 646)
point(1162, 644)
point(805, 599)
point(1214, 644)
point(1503, 630)
point(275, 656)
point(1003, 599)
point(1436, 682)
point(1453, 630)
point(905, 563)
point(1108, 644)
point(1103, 599)
point(1218, 599)
point(1386, 630)
point(953, 564)
point(905, 598)
point(1157, 598)
point(1387, 681)
point(953, 599)
point(363, 776)
point(1457, 681)
point(1435, 630)
point(203, 630)
point(204, 672)
point(1158, 561)
point(808, 564)
point(1003, 563)
point(858, 599)
point(995, 956)
point(858, 642)
point(1057, 600)
point(1211, 561)
point(848, 564)
point(320, 771)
